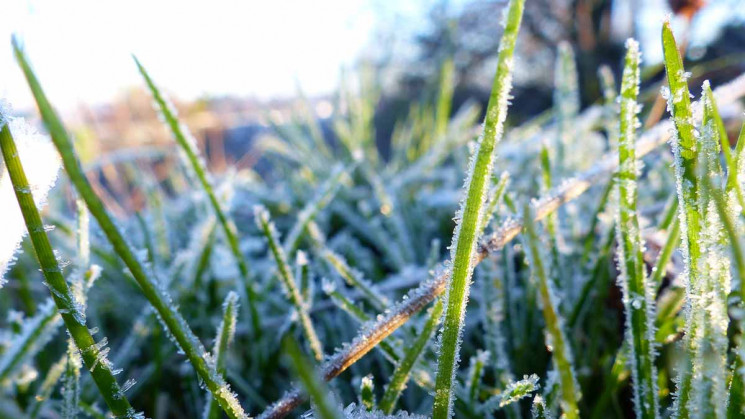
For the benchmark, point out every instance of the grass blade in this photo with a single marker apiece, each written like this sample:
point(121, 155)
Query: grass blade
point(639, 292)
point(555, 337)
point(401, 374)
point(288, 280)
point(471, 214)
point(317, 390)
point(684, 151)
point(61, 294)
point(171, 318)
point(225, 335)
point(188, 147)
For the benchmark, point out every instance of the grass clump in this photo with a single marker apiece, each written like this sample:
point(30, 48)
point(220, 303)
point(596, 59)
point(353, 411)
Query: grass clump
point(617, 301)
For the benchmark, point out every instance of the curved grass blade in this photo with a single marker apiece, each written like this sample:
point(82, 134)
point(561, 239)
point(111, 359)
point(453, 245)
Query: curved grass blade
point(160, 300)
point(189, 148)
point(471, 213)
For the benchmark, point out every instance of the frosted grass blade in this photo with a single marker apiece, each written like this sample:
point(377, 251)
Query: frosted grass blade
point(556, 341)
point(639, 292)
point(188, 147)
point(401, 374)
point(61, 293)
point(470, 214)
point(225, 335)
point(289, 284)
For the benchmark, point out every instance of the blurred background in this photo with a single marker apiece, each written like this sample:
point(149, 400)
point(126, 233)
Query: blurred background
point(234, 68)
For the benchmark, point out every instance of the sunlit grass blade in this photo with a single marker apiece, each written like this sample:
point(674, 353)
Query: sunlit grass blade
point(556, 341)
point(471, 214)
point(685, 154)
point(64, 300)
point(732, 187)
point(401, 374)
point(289, 284)
point(160, 300)
point(639, 292)
point(188, 146)
point(736, 404)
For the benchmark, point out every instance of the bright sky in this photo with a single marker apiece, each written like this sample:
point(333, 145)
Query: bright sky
point(81, 49)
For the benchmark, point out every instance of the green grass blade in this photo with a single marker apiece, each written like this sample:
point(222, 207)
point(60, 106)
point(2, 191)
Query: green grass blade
point(445, 98)
point(314, 386)
point(189, 148)
point(171, 318)
point(685, 156)
point(471, 213)
point(367, 393)
point(495, 198)
point(225, 335)
point(556, 341)
point(401, 374)
point(61, 294)
point(289, 284)
point(639, 292)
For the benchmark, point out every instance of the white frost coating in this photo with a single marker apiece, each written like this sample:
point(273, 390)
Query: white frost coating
point(41, 164)
point(519, 389)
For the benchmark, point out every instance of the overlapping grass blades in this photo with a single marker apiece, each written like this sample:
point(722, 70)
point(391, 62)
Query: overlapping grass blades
point(376, 331)
point(173, 321)
point(701, 385)
point(470, 215)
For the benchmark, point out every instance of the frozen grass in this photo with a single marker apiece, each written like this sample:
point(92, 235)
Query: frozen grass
point(616, 300)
